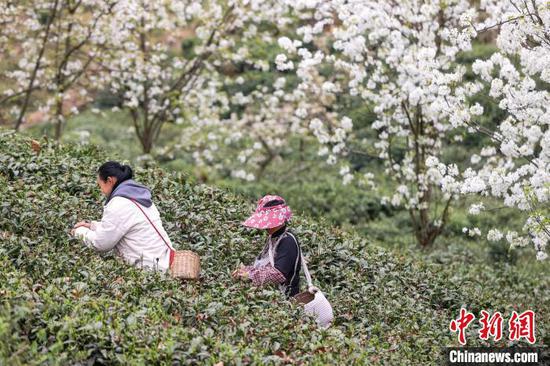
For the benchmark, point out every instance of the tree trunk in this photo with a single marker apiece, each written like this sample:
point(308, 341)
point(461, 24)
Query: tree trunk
point(147, 140)
point(147, 146)
point(37, 64)
point(58, 118)
point(425, 232)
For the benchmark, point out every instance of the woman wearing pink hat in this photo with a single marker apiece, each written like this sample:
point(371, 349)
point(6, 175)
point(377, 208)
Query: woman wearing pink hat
point(279, 262)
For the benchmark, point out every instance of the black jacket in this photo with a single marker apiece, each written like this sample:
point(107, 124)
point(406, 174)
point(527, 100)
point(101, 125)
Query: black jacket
point(286, 254)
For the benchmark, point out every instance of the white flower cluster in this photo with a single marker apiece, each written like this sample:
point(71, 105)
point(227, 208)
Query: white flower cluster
point(472, 232)
point(476, 208)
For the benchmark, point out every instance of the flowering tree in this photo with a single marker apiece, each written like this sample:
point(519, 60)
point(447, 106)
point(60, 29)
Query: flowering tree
point(516, 165)
point(153, 78)
point(158, 82)
point(401, 59)
point(398, 58)
point(230, 120)
point(59, 42)
point(247, 140)
point(259, 112)
point(258, 128)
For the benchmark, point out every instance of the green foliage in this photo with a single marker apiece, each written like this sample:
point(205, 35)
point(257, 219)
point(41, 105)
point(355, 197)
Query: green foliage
point(62, 303)
point(501, 252)
point(106, 99)
point(188, 47)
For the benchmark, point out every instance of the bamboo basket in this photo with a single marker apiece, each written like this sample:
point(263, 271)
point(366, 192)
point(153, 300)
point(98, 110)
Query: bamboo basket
point(186, 265)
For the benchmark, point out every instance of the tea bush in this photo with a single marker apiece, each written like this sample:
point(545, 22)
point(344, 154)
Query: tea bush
point(62, 303)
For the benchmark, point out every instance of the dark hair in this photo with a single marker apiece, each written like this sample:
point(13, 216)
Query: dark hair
point(274, 203)
point(115, 169)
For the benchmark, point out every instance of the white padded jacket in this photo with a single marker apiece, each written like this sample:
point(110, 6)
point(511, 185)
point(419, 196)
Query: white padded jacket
point(125, 229)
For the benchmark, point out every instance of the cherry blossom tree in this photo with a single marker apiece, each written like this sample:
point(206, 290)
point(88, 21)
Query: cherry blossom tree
point(161, 84)
point(398, 59)
point(59, 40)
point(515, 167)
point(258, 128)
point(259, 116)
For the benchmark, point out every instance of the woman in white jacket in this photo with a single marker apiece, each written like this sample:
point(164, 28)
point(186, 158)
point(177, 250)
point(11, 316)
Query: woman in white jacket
point(131, 223)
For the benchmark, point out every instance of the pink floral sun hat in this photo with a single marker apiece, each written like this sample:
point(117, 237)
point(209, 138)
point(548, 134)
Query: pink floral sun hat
point(272, 211)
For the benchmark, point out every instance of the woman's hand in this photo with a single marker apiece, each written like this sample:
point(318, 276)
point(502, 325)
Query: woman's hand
point(81, 224)
point(240, 273)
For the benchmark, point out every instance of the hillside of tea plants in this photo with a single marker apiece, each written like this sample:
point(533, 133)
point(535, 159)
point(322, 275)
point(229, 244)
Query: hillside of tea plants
point(62, 303)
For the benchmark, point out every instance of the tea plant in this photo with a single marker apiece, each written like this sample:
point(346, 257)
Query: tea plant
point(62, 303)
